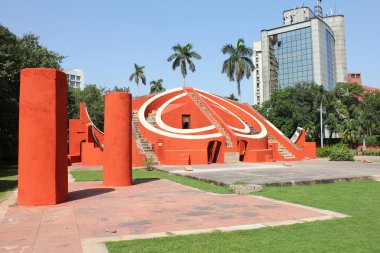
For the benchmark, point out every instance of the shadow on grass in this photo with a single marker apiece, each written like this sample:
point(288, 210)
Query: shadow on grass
point(6, 171)
point(7, 185)
point(87, 193)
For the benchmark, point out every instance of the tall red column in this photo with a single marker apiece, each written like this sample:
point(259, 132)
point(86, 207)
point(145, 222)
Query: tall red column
point(117, 167)
point(42, 164)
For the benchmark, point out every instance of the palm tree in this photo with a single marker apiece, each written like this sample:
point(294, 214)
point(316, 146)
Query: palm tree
point(182, 56)
point(239, 62)
point(156, 86)
point(138, 75)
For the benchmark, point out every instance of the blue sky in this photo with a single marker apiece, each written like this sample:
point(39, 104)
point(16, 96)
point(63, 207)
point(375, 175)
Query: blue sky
point(105, 38)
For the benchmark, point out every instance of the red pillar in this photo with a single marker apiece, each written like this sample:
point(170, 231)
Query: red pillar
point(42, 164)
point(117, 168)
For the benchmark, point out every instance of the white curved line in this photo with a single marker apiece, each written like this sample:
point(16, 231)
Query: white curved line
point(246, 128)
point(148, 126)
point(161, 124)
point(92, 123)
point(260, 135)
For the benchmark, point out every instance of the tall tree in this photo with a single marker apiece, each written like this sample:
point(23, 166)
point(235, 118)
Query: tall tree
point(138, 75)
point(15, 54)
point(239, 62)
point(156, 86)
point(182, 56)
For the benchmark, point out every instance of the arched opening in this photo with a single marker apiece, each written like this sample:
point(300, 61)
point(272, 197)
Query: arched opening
point(213, 149)
point(242, 148)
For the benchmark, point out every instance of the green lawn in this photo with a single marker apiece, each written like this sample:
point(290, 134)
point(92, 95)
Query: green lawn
point(96, 175)
point(360, 233)
point(8, 180)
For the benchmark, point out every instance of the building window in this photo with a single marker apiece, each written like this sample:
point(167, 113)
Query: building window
point(78, 78)
point(185, 121)
point(72, 77)
point(330, 46)
point(291, 57)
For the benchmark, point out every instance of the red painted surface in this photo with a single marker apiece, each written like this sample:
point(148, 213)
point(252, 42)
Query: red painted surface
point(42, 175)
point(83, 146)
point(173, 150)
point(198, 151)
point(117, 168)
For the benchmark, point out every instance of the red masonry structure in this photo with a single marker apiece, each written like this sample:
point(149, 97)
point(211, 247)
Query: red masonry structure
point(185, 126)
point(117, 169)
point(42, 165)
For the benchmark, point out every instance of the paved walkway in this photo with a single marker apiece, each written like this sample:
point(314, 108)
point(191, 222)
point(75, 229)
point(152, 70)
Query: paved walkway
point(280, 173)
point(95, 214)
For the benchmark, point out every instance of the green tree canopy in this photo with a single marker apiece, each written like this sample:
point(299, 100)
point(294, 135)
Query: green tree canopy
point(181, 57)
point(232, 97)
point(93, 96)
point(15, 54)
point(156, 86)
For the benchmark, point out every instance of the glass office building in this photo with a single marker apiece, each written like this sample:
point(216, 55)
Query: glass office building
point(307, 48)
point(293, 52)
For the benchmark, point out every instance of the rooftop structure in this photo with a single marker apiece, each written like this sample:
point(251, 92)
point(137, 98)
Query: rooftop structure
point(354, 78)
point(75, 78)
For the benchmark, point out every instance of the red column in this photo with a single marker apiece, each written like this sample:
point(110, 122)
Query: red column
point(42, 164)
point(117, 168)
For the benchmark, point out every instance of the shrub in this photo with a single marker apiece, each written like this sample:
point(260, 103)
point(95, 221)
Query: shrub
point(148, 163)
point(341, 153)
point(373, 140)
point(323, 152)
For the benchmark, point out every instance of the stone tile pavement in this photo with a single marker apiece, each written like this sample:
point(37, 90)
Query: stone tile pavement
point(280, 173)
point(95, 214)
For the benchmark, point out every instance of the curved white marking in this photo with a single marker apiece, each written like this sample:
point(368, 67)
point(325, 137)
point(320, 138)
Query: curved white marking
point(98, 142)
point(260, 135)
point(161, 124)
point(246, 128)
point(148, 126)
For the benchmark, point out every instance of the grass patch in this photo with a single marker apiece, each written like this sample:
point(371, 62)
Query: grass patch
point(96, 175)
point(8, 180)
point(240, 182)
point(87, 175)
point(360, 233)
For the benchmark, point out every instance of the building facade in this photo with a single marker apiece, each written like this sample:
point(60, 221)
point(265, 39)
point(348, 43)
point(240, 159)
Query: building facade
point(75, 78)
point(307, 48)
point(354, 78)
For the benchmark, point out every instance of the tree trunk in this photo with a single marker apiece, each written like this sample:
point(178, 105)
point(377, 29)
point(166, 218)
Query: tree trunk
point(184, 81)
point(239, 92)
point(320, 113)
point(137, 85)
point(330, 136)
point(364, 147)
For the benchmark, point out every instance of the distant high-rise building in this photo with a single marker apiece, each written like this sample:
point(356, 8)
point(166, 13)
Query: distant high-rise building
point(75, 78)
point(309, 47)
point(354, 78)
